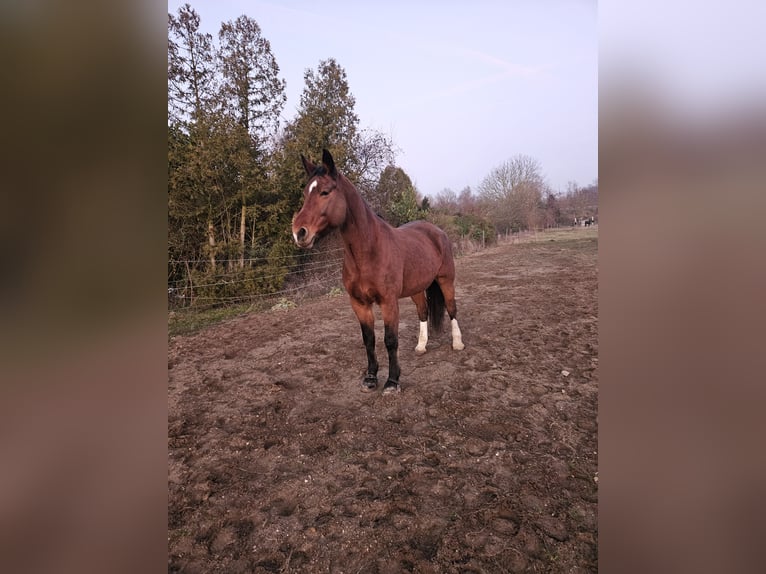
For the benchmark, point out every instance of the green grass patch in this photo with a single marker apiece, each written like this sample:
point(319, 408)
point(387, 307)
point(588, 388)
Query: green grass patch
point(186, 321)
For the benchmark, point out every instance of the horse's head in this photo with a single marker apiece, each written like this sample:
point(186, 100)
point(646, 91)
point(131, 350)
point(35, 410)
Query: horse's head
point(324, 204)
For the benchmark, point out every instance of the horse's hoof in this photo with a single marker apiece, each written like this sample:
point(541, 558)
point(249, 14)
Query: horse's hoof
point(391, 387)
point(369, 383)
point(458, 346)
point(419, 351)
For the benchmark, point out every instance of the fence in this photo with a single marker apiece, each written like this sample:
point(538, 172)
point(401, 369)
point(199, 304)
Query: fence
point(296, 278)
point(302, 279)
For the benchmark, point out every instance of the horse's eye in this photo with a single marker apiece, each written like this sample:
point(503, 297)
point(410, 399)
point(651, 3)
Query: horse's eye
point(325, 192)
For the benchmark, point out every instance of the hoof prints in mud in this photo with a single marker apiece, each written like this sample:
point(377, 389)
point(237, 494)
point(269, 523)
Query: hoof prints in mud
point(484, 463)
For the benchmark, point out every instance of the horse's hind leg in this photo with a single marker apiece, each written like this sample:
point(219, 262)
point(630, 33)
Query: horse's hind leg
point(420, 302)
point(390, 312)
point(447, 285)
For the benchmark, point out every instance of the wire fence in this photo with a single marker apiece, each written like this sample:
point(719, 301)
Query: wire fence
point(266, 259)
point(303, 289)
point(296, 279)
point(298, 268)
point(280, 277)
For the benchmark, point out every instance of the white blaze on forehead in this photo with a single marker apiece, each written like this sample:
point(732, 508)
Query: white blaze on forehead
point(312, 186)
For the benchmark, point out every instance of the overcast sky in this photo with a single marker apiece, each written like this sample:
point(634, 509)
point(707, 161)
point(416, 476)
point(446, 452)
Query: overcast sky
point(459, 86)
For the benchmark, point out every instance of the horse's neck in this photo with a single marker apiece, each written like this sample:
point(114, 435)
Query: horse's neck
point(362, 226)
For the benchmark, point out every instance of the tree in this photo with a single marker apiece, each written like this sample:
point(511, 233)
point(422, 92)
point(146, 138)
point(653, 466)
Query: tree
point(579, 202)
point(326, 117)
point(552, 210)
point(395, 197)
point(191, 73)
point(466, 201)
point(204, 183)
point(512, 194)
point(371, 153)
point(446, 201)
point(254, 95)
point(222, 114)
point(252, 89)
point(187, 207)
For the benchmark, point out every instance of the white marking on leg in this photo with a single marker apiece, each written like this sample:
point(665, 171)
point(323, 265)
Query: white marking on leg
point(457, 337)
point(422, 338)
point(312, 186)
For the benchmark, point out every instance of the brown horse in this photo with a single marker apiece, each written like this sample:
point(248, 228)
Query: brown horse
point(381, 264)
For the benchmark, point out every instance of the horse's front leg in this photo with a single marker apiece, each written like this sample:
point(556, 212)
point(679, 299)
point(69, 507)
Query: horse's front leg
point(366, 318)
point(389, 309)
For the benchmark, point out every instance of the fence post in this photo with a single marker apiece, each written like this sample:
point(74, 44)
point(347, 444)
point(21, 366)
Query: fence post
point(191, 284)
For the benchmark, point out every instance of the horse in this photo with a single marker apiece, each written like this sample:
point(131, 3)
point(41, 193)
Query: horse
point(381, 264)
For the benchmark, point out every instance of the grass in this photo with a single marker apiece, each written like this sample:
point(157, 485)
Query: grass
point(283, 304)
point(187, 321)
point(559, 234)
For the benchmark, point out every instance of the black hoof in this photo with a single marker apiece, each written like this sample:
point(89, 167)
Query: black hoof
point(391, 387)
point(369, 383)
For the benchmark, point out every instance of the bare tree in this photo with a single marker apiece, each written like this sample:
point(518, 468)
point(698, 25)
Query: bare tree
point(445, 201)
point(512, 194)
point(552, 209)
point(467, 201)
point(579, 202)
point(373, 151)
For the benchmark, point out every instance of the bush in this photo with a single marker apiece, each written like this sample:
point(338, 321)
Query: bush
point(468, 233)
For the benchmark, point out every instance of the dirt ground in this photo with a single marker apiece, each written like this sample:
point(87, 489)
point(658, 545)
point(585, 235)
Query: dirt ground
point(485, 462)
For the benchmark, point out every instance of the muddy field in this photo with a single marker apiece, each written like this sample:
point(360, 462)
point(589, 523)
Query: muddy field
point(485, 462)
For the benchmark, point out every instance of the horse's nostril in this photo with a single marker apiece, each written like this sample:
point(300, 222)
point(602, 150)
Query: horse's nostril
point(302, 233)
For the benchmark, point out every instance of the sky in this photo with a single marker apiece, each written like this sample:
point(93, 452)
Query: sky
point(460, 87)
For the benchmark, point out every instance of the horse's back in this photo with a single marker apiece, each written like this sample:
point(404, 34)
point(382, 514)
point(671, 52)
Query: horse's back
point(421, 235)
point(424, 228)
point(427, 249)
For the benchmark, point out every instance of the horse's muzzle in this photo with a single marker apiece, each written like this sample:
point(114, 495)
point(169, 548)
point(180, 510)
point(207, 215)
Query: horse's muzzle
point(303, 238)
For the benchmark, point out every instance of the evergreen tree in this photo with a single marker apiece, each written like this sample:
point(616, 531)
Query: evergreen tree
point(252, 89)
point(191, 69)
point(326, 117)
point(223, 112)
point(395, 197)
point(254, 95)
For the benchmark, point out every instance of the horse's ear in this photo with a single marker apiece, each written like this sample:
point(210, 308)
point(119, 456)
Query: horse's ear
point(329, 164)
point(308, 166)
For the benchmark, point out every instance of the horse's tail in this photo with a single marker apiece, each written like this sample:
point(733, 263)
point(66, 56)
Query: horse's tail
point(436, 307)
